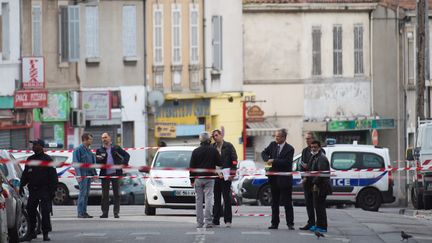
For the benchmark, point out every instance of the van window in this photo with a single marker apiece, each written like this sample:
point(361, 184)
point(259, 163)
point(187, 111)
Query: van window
point(296, 164)
point(343, 160)
point(424, 140)
point(173, 159)
point(372, 161)
point(59, 159)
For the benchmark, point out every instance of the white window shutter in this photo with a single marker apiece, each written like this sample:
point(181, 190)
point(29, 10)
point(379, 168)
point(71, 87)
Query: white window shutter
point(5, 31)
point(194, 33)
point(36, 31)
point(129, 31)
point(92, 31)
point(158, 38)
point(176, 33)
point(74, 29)
point(217, 42)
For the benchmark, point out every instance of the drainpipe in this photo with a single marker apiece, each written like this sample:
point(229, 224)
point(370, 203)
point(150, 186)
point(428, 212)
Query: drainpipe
point(145, 77)
point(371, 26)
point(204, 47)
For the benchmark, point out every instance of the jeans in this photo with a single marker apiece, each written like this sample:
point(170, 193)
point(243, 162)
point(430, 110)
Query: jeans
point(84, 188)
point(204, 188)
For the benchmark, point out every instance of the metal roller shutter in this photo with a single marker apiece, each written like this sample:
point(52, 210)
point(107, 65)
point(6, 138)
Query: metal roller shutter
point(5, 139)
point(19, 139)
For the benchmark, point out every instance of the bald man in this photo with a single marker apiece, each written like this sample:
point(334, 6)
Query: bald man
point(110, 154)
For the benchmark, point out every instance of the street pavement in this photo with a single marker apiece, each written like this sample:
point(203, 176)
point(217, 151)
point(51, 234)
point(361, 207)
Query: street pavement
point(345, 225)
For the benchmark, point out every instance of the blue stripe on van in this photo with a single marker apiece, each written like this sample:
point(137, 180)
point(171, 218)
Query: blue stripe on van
point(63, 171)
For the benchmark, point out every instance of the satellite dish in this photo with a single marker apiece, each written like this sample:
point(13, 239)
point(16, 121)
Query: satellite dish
point(156, 98)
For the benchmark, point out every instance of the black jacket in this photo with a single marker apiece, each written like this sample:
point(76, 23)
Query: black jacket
point(319, 162)
point(305, 159)
point(40, 178)
point(119, 155)
point(281, 163)
point(204, 157)
point(228, 156)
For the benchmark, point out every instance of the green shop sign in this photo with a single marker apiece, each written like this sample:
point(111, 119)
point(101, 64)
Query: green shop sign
point(58, 107)
point(366, 124)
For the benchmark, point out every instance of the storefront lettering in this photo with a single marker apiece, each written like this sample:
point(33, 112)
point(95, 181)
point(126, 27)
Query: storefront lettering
point(184, 109)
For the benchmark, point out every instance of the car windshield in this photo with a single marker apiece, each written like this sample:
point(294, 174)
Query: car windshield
point(173, 159)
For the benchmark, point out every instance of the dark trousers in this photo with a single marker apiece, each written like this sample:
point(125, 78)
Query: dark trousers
point(43, 198)
point(309, 204)
point(105, 195)
point(319, 202)
point(281, 197)
point(222, 188)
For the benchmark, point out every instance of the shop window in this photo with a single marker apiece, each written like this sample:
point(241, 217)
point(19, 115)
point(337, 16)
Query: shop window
point(343, 160)
point(116, 99)
point(47, 132)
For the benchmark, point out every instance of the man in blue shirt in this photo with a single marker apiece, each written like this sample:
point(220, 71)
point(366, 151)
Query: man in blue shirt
point(82, 154)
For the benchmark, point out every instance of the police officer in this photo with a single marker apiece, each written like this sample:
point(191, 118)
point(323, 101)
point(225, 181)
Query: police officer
point(41, 182)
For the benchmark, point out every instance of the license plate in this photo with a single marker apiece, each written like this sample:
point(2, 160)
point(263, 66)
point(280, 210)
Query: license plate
point(184, 193)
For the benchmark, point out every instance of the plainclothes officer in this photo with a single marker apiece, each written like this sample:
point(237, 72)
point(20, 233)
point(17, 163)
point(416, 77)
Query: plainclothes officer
point(41, 182)
point(307, 182)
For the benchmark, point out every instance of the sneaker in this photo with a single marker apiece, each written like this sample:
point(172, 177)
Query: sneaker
point(306, 227)
point(321, 229)
point(312, 228)
point(228, 224)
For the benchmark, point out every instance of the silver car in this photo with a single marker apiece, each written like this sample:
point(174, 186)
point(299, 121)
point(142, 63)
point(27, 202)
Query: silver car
point(13, 205)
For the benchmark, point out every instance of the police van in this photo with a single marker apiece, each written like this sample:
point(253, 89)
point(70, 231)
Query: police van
point(367, 190)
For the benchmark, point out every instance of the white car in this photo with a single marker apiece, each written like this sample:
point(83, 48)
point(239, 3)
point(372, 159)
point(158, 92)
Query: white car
point(169, 188)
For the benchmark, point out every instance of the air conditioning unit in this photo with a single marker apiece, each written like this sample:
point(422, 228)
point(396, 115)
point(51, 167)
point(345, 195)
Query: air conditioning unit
point(77, 118)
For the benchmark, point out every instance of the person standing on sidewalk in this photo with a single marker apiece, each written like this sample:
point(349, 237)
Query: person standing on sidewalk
point(41, 182)
point(222, 187)
point(83, 154)
point(204, 157)
point(279, 154)
point(110, 154)
point(307, 182)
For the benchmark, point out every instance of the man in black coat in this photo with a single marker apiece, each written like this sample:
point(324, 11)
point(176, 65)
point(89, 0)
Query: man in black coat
point(110, 154)
point(307, 182)
point(222, 187)
point(41, 182)
point(279, 154)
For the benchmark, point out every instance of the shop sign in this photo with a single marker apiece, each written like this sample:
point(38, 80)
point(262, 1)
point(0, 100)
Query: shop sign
point(58, 107)
point(19, 119)
point(364, 124)
point(255, 114)
point(183, 111)
point(97, 105)
point(33, 69)
point(165, 130)
point(30, 99)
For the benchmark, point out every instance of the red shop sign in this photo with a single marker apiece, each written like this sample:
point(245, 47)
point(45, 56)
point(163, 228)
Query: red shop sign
point(31, 99)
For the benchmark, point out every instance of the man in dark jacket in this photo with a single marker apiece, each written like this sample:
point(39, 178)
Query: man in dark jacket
point(307, 182)
point(279, 154)
point(110, 154)
point(204, 157)
point(321, 186)
point(41, 182)
point(222, 186)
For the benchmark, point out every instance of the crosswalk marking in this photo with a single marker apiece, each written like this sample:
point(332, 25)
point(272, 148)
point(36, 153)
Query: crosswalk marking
point(255, 233)
point(200, 233)
point(146, 233)
point(90, 235)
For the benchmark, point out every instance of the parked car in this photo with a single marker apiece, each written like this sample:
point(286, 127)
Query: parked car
point(3, 214)
point(132, 188)
point(367, 190)
point(13, 205)
point(244, 167)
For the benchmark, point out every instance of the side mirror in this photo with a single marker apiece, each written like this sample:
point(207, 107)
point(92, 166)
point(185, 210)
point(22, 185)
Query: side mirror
point(409, 154)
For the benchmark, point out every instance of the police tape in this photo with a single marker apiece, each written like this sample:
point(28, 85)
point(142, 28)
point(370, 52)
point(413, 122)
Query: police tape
point(28, 151)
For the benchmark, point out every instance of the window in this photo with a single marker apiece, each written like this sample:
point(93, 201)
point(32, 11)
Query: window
point(174, 159)
point(217, 42)
point(337, 50)
point(69, 33)
point(92, 31)
point(194, 33)
point(343, 160)
point(316, 50)
point(296, 164)
point(158, 34)
point(176, 33)
point(371, 161)
point(411, 58)
point(129, 31)
point(5, 45)
point(116, 99)
point(36, 30)
point(358, 49)
point(47, 132)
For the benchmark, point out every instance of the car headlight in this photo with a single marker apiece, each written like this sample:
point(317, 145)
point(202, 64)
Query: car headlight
point(156, 182)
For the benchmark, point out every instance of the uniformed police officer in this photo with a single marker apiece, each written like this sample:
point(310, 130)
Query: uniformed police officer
point(41, 182)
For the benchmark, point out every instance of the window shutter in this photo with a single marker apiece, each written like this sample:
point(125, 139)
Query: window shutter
point(129, 31)
point(36, 31)
point(176, 33)
point(194, 33)
point(158, 35)
point(64, 29)
point(74, 20)
point(316, 51)
point(5, 31)
point(92, 31)
point(217, 42)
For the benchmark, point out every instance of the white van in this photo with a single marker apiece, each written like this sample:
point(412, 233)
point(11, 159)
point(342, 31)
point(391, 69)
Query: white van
point(367, 190)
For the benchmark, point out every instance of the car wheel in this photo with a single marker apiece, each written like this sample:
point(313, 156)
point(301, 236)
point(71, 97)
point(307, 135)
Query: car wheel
point(427, 202)
point(131, 199)
point(416, 198)
point(265, 197)
point(369, 199)
point(61, 195)
point(23, 231)
point(149, 210)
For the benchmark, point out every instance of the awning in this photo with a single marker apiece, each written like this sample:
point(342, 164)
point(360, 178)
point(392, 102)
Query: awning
point(264, 128)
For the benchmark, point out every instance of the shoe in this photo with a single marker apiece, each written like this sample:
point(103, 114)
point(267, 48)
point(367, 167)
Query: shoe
point(88, 216)
point(312, 228)
point(306, 227)
point(228, 224)
point(31, 236)
point(321, 229)
point(209, 226)
point(85, 216)
point(116, 216)
point(45, 237)
point(273, 226)
point(103, 216)
point(291, 227)
point(199, 226)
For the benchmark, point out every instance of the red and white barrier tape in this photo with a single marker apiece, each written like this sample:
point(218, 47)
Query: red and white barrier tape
point(28, 151)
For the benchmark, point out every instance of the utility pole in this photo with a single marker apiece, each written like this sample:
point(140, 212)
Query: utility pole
point(421, 54)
